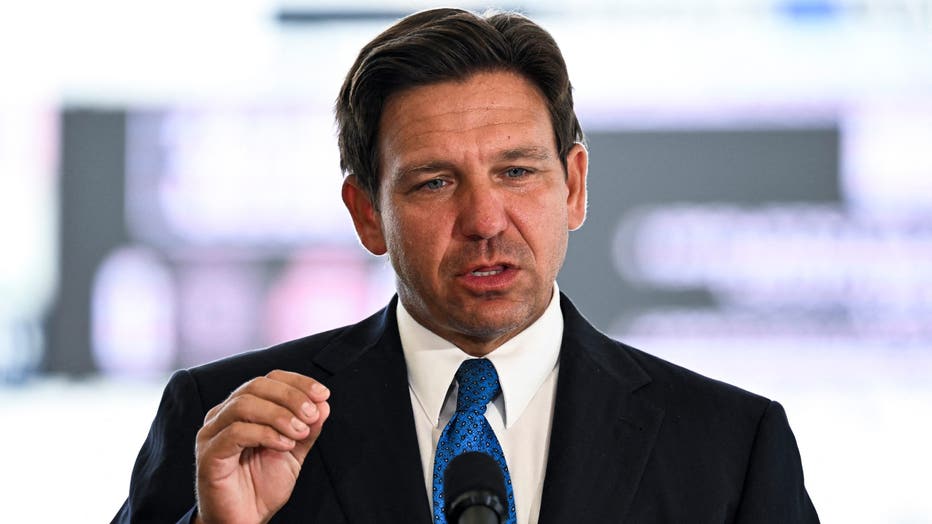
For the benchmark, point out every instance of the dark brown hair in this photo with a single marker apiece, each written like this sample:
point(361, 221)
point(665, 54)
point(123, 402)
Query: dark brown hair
point(441, 45)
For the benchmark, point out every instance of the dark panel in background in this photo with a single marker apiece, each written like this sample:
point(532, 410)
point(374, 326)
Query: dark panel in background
point(629, 169)
point(90, 225)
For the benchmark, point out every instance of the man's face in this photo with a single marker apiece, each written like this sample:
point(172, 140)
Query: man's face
point(474, 206)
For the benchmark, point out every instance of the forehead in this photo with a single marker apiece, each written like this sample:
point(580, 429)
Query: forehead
point(486, 110)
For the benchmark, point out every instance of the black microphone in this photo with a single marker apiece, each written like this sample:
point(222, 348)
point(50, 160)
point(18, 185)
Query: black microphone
point(474, 490)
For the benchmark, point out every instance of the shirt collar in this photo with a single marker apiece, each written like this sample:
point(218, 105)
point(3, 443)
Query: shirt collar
point(522, 363)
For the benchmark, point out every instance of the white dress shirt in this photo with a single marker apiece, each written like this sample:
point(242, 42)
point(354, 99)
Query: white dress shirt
point(520, 416)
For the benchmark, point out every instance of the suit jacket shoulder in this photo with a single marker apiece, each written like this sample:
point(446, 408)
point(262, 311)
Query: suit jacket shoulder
point(639, 437)
point(365, 466)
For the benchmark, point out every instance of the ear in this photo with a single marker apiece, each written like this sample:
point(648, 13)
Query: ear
point(577, 168)
point(366, 218)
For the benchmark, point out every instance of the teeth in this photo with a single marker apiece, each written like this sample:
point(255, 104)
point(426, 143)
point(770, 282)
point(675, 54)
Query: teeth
point(486, 273)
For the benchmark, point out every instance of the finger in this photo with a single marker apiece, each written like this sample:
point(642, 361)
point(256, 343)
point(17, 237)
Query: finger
point(312, 388)
point(279, 392)
point(284, 394)
point(250, 408)
point(316, 427)
point(234, 438)
point(289, 390)
point(302, 447)
point(212, 413)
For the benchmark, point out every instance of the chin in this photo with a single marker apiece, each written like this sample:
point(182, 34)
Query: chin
point(492, 323)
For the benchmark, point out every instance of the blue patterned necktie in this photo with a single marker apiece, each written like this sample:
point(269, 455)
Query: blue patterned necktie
point(468, 430)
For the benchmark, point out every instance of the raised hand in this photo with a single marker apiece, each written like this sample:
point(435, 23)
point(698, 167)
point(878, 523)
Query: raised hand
point(253, 444)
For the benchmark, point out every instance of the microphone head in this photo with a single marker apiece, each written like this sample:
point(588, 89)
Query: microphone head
point(474, 479)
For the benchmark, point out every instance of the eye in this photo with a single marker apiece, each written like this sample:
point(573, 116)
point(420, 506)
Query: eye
point(434, 184)
point(516, 172)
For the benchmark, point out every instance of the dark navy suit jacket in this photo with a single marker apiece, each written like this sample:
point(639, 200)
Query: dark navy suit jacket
point(634, 439)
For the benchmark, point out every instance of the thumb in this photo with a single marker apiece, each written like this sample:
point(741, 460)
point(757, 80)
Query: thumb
point(302, 447)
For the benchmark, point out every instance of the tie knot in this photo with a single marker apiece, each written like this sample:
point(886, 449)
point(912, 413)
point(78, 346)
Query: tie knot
point(478, 385)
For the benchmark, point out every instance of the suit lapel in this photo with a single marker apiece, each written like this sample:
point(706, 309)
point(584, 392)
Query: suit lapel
point(602, 433)
point(369, 444)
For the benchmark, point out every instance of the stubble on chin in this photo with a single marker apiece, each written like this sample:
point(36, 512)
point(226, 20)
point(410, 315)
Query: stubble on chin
point(469, 319)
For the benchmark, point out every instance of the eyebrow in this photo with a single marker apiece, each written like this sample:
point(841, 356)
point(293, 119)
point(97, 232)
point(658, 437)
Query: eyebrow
point(429, 167)
point(530, 153)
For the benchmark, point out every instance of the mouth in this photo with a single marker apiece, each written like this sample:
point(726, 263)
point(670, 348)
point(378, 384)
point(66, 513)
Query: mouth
point(488, 271)
point(489, 278)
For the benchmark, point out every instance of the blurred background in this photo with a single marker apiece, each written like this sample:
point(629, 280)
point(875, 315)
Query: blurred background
point(760, 211)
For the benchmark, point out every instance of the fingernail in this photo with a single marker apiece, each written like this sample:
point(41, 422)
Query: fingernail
point(309, 409)
point(319, 388)
point(285, 440)
point(298, 425)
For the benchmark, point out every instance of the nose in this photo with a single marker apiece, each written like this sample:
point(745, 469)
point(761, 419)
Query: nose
point(481, 213)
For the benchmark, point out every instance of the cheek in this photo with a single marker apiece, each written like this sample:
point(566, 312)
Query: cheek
point(414, 242)
point(546, 225)
point(554, 236)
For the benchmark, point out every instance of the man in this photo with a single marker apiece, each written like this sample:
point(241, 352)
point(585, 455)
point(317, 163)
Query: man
point(465, 165)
